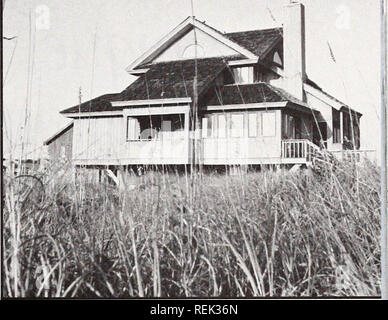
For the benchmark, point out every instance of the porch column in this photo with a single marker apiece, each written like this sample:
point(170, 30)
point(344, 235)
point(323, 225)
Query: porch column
point(187, 133)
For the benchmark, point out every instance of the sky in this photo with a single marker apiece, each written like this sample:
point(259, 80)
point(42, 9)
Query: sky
point(63, 45)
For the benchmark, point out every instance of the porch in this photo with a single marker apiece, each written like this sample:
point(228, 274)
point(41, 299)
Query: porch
point(250, 151)
point(298, 151)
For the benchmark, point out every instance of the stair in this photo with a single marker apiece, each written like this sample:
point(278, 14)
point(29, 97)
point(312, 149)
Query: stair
point(112, 176)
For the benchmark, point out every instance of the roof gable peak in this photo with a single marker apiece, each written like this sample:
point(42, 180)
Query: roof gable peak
point(182, 30)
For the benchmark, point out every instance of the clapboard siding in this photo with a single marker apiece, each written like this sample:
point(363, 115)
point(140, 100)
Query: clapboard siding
point(60, 148)
point(98, 139)
point(102, 141)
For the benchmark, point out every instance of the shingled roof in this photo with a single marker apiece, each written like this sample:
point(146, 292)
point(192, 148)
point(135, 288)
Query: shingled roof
point(174, 79)
point(164, 80)
point(101, 103)
point(251, 93)
point(259, 42)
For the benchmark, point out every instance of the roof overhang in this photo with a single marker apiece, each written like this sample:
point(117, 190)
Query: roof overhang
point(324, 97)
point(242, 62)
point(178, 32)
point(262, 105)
point(79, 115)
point(138, 72)
point(58, 133)
point(131, 103)
point(148, 111)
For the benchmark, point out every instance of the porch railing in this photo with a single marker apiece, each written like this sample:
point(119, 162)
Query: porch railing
point(354, 155)
point(299, 149)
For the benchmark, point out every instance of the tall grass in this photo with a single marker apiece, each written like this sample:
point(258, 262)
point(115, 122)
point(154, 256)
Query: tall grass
point(268, 233)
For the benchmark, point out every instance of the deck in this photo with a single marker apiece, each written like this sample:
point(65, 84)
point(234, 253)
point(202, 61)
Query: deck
point(227, 151)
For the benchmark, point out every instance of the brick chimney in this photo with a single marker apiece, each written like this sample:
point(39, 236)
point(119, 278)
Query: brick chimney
point(294, 49)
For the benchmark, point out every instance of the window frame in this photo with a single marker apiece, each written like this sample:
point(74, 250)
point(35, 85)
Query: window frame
point(127, 129)
point(238, 74)
point(225, 126)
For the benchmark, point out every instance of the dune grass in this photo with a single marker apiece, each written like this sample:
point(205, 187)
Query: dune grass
point(267, 233)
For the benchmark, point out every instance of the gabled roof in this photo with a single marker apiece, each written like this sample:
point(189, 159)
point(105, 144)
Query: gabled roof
point(184, 27)
point(259, 42)
point(249, 44)
point(251, 93)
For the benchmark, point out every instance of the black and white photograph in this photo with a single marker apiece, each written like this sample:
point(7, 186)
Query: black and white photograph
point(193, 149)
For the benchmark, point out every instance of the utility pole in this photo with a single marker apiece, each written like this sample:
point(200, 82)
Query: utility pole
point(196, 125)
point(384, 152)
point(79, 99)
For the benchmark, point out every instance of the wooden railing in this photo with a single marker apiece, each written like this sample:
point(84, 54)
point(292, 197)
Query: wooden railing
point(299, 149)
point(354, 155)
point(303, 149)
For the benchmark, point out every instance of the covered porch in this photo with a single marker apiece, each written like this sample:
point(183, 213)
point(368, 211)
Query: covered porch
point(157, 135)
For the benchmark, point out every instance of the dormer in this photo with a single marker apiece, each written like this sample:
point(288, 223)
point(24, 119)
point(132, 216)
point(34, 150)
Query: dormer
point(253, 73)
point(243, 75)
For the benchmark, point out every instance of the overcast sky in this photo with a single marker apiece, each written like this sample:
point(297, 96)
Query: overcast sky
point(64, 33)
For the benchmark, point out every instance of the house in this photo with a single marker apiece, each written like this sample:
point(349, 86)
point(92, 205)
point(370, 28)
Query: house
point(222, 99)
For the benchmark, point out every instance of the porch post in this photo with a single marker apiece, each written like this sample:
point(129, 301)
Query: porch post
point(187, 134)
point(341, 127)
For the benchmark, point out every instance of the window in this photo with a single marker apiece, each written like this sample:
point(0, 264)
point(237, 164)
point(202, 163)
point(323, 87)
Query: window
point(177, 123)
point(209, 126)
point(336, 127)
point(269, 124)
point(166, 129)
point(277, 59)
point(289, 126)
point(221, 126)
point(155, 127)
point(243, 75)
point(252, 124)
point(205, 123)
point(347, 127)
point(133, 129)
point(237, 125)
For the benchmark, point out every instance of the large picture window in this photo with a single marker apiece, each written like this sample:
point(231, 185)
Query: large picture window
point(154, 127)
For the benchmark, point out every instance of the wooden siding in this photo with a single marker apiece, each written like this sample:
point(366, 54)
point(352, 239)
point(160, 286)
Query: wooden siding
point(103, 141)
point(60, 148)
point(98, 139)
